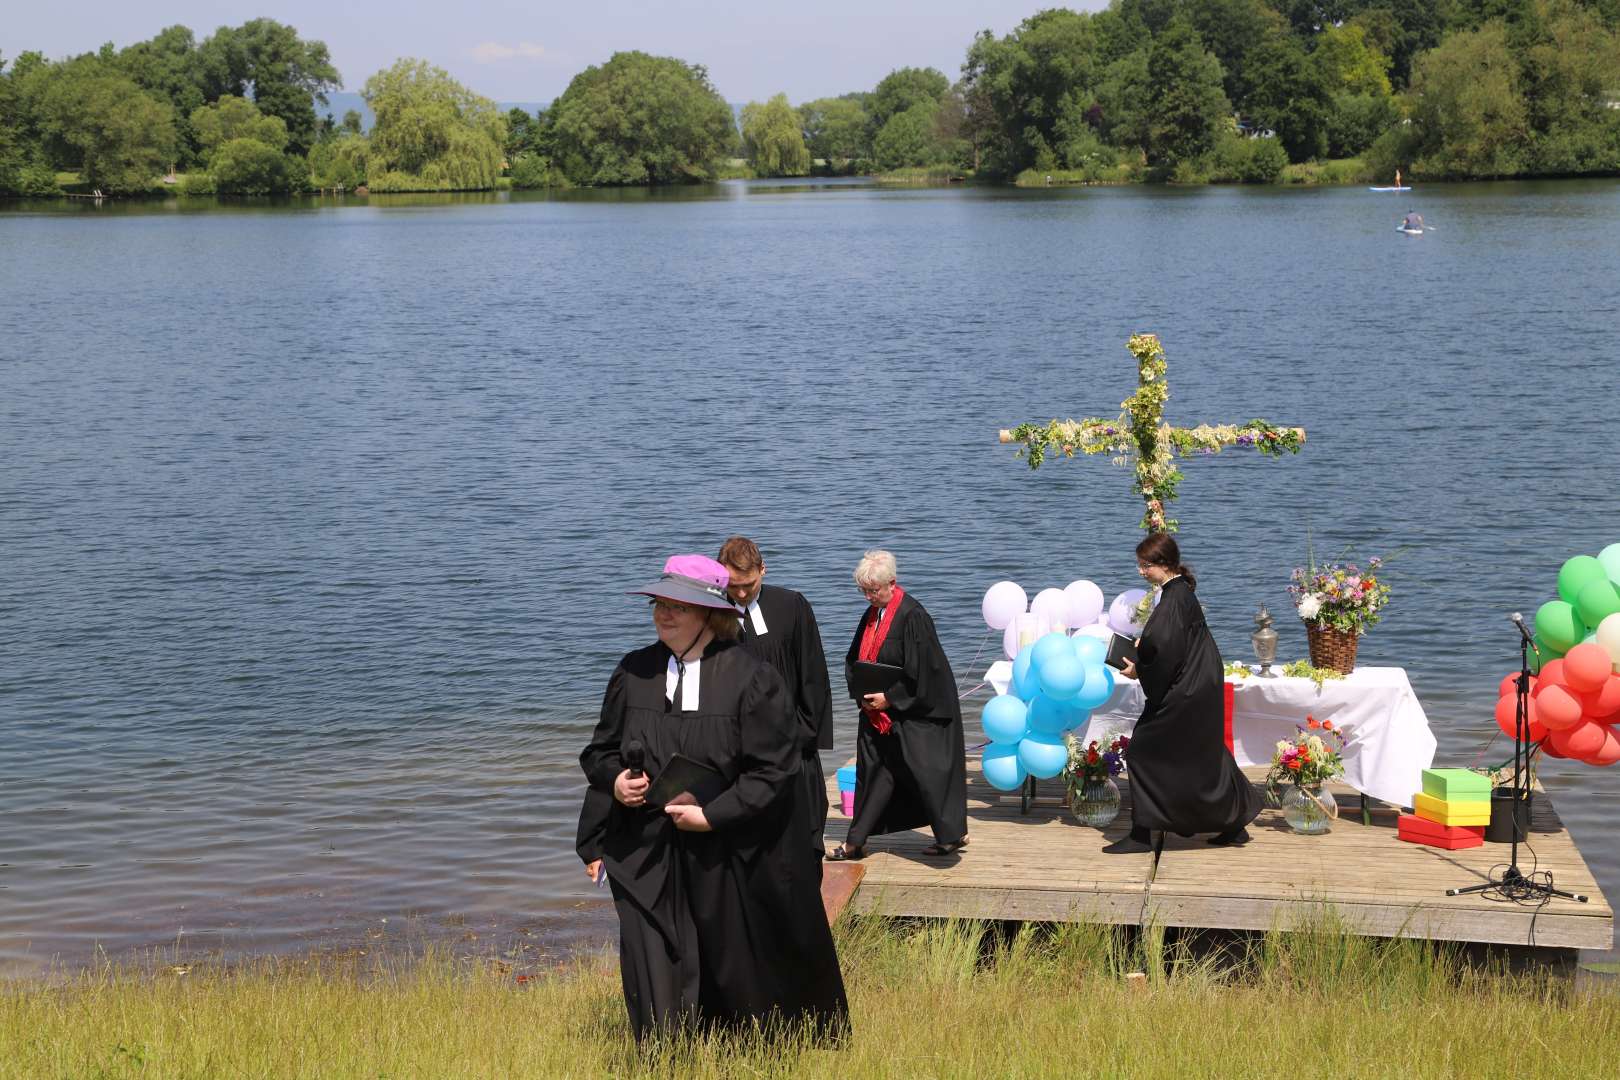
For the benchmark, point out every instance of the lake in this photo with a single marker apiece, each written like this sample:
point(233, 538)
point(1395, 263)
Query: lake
point(316, 517)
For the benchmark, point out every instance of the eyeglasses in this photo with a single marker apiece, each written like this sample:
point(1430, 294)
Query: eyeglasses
point(660, 604)
point(874, 590)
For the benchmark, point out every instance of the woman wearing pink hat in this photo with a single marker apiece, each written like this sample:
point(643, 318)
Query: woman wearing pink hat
point(720, 916)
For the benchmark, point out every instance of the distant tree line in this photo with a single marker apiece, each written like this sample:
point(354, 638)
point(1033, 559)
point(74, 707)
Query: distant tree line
point(1185, 89)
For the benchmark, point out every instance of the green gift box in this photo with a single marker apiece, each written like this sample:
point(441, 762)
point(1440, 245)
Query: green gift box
point(1457, 785)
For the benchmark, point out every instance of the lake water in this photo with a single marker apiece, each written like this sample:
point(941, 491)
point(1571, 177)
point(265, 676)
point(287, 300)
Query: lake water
point(315, 519)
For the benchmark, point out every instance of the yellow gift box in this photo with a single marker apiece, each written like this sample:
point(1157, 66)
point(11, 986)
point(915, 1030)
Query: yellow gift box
point(1451, 813)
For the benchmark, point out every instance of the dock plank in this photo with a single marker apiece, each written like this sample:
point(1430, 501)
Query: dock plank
point(1046, 867)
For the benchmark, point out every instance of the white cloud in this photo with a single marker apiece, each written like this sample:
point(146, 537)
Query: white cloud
point(493, 52)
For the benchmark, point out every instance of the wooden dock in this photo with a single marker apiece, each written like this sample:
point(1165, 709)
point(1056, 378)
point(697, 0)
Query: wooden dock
point(1046, 867)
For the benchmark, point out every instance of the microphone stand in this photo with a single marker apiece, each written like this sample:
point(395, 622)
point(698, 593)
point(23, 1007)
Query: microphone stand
point(1513, 884)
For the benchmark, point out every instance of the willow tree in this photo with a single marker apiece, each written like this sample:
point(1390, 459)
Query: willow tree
point(430, 132)
point(773, 138)
point(1139, 436)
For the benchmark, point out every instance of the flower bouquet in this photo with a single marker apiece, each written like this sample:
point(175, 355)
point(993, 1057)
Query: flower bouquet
point(1338, 602)
point(1299, 768)
point(1089, 777)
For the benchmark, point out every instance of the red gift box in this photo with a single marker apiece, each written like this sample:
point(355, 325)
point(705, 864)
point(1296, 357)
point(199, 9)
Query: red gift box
point(1418, 830)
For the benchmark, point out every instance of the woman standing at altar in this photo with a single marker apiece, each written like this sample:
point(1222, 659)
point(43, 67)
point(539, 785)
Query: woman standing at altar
point(1183, 778)
point(910, 759)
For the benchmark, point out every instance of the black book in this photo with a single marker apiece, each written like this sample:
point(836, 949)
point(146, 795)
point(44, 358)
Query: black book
point(1120, 649)
point(680, 774)
point(868, 678)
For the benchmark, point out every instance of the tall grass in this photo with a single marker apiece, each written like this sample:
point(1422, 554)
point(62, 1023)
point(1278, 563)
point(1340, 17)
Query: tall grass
point(949, 999)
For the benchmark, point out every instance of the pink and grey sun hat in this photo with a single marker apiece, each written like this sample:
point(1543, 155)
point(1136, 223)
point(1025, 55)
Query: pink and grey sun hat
point(693, 579)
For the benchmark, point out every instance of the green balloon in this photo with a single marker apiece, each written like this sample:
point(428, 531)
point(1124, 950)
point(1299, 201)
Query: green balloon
point(1577, 574)
point(1609, 557)
point(1559, 626)
point(1595, 601)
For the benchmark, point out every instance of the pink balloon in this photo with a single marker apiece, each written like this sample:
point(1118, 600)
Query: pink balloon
point(1506, 710)
point(1558, 710)
point(1083, 602)
point(1552, 674)
point(1608, 754)
point(1587, 667)
point(1579, 741)
point(1003, 602)
point(1603, 704)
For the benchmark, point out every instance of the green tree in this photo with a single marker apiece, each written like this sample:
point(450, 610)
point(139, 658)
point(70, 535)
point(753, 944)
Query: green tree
point(339, 162)
point(521, 129)
point(903, 89)
point(232, 118)
point(1186, 108)
point(1230, 29)
point(773, 139)
point(250, 167)
point(1286, 93)
point(169, 67)
point(352, 121)
point(96, 119)
point(286, 74)
point(835, 129)
point(431, 133)
point(908, 139)
point(640, 119)
point(1570, 69)
point(1469, 116)
point(1349, 64)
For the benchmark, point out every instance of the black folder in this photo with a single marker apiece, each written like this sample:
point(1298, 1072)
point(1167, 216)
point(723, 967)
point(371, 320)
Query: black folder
point(867, 678)
point(680, 774)
point(1120, 649)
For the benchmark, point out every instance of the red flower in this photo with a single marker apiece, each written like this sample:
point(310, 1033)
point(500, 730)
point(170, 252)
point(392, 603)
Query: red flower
point(1312, 722)
point(1293, 763)
point(1327, 725)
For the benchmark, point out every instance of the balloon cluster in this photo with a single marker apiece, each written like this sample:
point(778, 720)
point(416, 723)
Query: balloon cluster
point(1575, 696)
point(1056, 679)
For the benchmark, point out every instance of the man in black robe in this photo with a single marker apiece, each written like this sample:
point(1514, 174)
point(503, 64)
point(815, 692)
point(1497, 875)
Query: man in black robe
point(779, 627)
point(910, 755)
point(1183, 778)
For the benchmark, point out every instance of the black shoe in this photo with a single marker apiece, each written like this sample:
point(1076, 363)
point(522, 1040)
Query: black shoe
point(1236, 838)
point(1127, 845)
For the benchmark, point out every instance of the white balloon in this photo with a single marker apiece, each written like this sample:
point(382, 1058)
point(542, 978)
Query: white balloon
point(1608, 636)
point(1083, 602)
point(1020, 632)
point(1002, 602)
point(1099, 630)
point(1048, 608)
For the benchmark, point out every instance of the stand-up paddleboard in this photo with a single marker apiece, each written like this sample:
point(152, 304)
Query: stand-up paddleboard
point(1408, 232)
point(1407, 187)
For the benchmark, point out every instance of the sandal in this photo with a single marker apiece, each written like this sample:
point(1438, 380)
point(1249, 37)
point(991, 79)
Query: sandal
point(945, 849)
point(845, 853)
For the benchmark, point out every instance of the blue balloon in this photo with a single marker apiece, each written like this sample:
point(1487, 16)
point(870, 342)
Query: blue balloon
point(1099, 684)
point(1044, 756)
point(1024, 683)
point(1048, 647)
point(1002, 769)
point(1003, 719)
point(1075, 717)
point(1090, 650)
point(1062, 676)
point(1047, 716)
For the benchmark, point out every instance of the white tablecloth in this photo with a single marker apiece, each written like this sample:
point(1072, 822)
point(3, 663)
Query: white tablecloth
point(1388, 743)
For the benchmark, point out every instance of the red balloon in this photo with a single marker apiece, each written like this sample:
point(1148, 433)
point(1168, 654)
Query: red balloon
point(1510, 685)
point(1603, 704)
point(1507, 707)
point(1579, 741)
point(1587, 667)
point(1609, 754)
point(1549, 749)
point(1552, 674)
point(1558, 709)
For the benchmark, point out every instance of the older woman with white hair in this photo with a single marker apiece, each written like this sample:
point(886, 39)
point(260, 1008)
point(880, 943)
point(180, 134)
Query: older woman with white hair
point(910, 759)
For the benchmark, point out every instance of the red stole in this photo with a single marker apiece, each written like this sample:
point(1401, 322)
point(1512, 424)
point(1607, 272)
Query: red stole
point(873, 634)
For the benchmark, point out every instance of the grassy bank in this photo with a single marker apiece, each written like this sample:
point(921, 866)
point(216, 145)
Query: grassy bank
point(942, 999)
point(921, 174)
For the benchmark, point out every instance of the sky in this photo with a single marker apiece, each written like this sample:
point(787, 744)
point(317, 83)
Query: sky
point(512, 50)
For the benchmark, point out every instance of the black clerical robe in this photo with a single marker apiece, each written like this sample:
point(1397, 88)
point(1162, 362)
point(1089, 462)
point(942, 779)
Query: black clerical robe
point(721, 928)
point(1183, 778)
point(791, 644)
point(916, 775)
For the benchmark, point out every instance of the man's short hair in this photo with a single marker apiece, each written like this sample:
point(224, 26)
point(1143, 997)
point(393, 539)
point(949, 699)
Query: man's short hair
point(740, 553)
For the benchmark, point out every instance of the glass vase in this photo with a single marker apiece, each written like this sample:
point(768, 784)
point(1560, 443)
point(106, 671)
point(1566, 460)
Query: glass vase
point(1309, 809)
point(1094, 802)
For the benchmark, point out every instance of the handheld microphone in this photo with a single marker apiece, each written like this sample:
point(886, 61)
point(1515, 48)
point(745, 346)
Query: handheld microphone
point(635, 756)
point(1517, 619)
